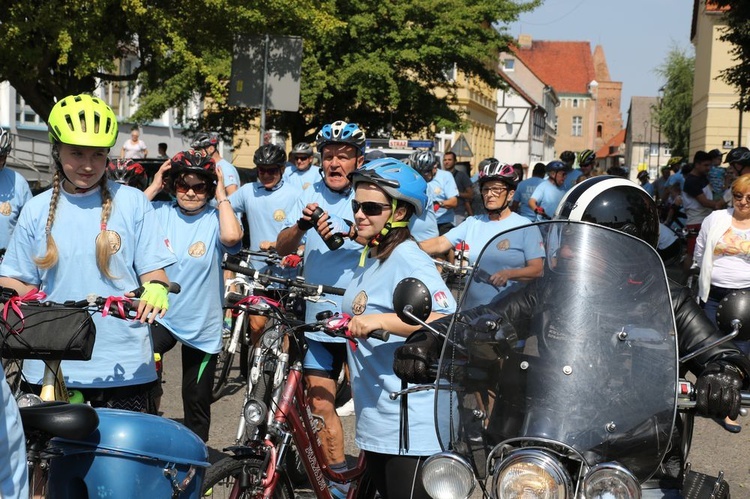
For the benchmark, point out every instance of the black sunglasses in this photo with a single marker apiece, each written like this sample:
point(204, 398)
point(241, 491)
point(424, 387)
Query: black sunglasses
point(182, 186)
point(369, 208)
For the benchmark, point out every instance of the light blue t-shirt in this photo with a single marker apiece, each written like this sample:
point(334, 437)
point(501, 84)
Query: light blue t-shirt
point(302, 179)
point(195, 314)
point(512, 252)
point(229, 172)
point(441, 187)
point(14, 480)
point(548, 196)
point(122, 353)
point(371, 365)
point(424, 226)
point(571, 179)
point(14, 193)
point(649, 187)
point(676, 178)
point(267, 213)
point(523, 193)
point(323, 266)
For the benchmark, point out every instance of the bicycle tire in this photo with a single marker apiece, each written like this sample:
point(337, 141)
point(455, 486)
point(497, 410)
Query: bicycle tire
point(221, 478)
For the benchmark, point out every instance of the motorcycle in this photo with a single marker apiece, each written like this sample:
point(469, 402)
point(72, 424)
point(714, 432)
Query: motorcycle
point(569, 386)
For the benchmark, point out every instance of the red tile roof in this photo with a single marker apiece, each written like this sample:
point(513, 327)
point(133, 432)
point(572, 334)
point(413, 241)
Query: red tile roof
point(615, 142)
point(566, 66)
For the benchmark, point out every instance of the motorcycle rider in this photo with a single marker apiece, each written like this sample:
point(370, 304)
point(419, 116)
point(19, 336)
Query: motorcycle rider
point(619, 204)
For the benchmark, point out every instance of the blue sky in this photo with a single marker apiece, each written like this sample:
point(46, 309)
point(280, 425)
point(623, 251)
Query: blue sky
point(636, 35)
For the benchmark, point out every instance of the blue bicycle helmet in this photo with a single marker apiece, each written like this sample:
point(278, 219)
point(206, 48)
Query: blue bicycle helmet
point(557, 166)
point(341, 132)
point(397, 179)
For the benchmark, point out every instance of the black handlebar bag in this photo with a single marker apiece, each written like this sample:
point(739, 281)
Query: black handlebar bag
point(34, 330)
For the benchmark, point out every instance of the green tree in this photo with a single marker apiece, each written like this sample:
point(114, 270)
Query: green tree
point(675, 108)
point(737, 32)
point(53, 49)
point(383, 64)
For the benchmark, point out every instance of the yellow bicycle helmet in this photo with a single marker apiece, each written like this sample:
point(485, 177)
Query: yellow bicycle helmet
point(82, 120)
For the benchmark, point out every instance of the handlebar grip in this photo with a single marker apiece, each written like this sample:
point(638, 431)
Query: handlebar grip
point(380, 334)
point(332, 290)
point(238, 269)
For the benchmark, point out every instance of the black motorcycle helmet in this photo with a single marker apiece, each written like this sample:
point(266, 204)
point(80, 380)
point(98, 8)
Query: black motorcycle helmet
point(612, 202)
point(269, 155)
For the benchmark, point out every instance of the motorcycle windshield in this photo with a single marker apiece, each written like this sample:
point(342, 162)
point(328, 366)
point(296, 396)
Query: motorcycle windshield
point(581, 358)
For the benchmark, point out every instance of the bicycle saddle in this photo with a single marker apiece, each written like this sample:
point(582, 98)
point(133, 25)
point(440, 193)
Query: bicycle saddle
point(60, 419)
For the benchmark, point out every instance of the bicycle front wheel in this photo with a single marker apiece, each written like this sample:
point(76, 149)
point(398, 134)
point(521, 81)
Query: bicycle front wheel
point(235, 477)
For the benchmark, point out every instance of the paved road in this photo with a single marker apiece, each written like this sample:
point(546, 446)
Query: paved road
point(713, 448)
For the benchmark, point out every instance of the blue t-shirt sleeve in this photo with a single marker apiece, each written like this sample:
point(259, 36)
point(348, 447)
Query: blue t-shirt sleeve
point(153, 251)
point(458, 233)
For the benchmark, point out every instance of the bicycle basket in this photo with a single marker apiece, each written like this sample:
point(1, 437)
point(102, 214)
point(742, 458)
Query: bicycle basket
point(48, 332)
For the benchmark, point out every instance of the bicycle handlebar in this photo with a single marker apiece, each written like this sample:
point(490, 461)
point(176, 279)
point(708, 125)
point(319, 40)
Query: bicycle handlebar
point(308, 289)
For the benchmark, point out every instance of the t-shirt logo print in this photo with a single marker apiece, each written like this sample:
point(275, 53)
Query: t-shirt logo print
point(359, 304)
point(197, 249)
point(5, 209)
point(114, 240)
point(279, 215)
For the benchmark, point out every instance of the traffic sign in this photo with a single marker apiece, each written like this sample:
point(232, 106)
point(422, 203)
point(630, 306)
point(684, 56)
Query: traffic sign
point(461, 148)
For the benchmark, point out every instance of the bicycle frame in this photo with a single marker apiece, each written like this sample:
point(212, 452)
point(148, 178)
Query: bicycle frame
point(294, 413)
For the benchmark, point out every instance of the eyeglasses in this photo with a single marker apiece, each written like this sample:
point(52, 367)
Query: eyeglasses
point(738, 196)
point(369, 208)
point(182, 186)
point(269, 171)
point(496, 191)
point(302, 158)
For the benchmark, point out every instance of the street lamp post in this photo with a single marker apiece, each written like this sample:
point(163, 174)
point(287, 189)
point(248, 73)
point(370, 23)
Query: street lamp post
point(645, 150)
point(658, 152)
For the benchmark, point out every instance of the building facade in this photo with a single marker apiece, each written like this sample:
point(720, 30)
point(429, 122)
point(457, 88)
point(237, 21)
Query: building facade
point(714, 123)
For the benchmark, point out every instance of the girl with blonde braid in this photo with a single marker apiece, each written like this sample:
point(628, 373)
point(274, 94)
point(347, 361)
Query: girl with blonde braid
point(90, 235)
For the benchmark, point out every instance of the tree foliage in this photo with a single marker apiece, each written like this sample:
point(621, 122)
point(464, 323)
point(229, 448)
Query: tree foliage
point(675, 108)
point(737, 33)
point(385, 64)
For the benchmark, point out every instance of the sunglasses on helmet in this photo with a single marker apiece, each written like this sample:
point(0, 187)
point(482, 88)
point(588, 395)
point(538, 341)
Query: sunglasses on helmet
point(369, 208)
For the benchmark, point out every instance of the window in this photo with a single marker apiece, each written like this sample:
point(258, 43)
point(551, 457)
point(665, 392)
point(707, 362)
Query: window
point(24, 114)
point(538, 129)
point(610, 102)
point(654, 149)
point(450, 73)
point(599, 128)
point(667, 150)
point(577, 126)
point(555, 125)
point(509, 64)
point(575, 102)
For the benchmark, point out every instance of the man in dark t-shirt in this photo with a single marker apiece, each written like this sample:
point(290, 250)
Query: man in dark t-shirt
point(465, 190)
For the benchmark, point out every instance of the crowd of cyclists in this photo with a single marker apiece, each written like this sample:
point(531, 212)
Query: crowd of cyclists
point(361, 222)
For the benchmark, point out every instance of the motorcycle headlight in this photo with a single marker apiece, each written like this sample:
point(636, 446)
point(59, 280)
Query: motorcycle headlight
point(531, 474)
point(448, 476)
point(611, 480)
point(254, 412)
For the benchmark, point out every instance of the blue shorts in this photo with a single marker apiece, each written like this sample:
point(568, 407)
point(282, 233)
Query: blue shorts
point(324, 359)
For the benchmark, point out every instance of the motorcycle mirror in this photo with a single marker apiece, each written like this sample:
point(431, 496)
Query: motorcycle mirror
point(735, 307)
point(412, 297)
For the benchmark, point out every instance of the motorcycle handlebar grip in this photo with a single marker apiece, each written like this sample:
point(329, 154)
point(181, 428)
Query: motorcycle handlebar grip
point(239, 269)
point(380, 334)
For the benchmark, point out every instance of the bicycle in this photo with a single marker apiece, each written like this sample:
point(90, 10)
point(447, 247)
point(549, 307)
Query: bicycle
point(276, 417)
point(73, 448)
point(235, 289)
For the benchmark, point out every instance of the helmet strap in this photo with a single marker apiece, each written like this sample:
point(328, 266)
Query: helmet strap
point(275, 187)
point(375, 241)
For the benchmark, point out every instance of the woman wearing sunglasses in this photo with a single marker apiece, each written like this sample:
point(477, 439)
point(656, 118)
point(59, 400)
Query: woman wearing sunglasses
point(521, 253)
point(387, 194)
point(199, 234)
point(722, 251)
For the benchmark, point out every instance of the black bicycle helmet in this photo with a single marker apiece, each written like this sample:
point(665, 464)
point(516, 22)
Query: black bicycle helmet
point(205, 139)
point(5, 147)
point(128, 172)
point(424, 161)
point(568, 157)
point(612, 202)
point(269, 155)
point(736, 155)
point(586, 157)
point(193, 162)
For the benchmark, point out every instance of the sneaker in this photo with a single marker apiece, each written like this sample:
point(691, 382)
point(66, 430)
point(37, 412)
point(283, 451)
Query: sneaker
point(346, 409)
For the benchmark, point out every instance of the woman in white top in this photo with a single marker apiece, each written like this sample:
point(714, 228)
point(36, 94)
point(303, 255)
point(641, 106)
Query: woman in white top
point(134, 148)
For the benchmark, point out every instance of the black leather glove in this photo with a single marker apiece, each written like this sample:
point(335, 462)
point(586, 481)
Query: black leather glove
point(718, 391)
point(413, 359)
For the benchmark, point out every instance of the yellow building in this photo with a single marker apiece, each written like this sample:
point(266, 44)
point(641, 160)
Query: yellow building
point(715, 124)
